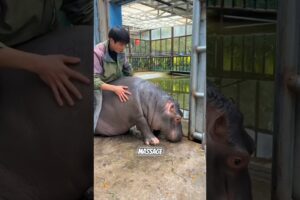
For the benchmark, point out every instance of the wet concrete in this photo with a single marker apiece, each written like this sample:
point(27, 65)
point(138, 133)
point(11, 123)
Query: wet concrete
point(119, 173)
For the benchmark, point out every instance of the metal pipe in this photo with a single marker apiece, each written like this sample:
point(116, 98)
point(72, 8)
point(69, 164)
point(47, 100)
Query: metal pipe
point(201, 49)
point(198, 72)
point(198, 136)
point(195, 42)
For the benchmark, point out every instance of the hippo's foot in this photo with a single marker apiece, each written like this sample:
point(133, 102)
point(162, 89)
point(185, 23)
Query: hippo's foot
point(151, 141)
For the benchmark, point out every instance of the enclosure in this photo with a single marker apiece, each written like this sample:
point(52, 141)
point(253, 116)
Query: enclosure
point(160, 51)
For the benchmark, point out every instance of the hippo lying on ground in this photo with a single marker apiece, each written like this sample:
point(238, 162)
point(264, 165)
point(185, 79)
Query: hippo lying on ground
point(228, 150)
point(148, 107)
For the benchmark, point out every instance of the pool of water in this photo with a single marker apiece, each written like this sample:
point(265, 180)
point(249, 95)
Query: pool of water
point(178, 87)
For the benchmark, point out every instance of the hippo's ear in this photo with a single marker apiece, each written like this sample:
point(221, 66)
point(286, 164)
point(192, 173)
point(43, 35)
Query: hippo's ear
point(170, 108)
point(218, 128)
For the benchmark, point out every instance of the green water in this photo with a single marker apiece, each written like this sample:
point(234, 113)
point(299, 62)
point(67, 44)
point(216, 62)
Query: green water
point(178, 87)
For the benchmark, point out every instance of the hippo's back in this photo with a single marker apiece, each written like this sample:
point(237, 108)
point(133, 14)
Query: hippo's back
point(118, 117)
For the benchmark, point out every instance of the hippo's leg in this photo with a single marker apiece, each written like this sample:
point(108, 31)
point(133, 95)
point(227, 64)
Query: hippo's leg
point(149, 137)
point(135, 131)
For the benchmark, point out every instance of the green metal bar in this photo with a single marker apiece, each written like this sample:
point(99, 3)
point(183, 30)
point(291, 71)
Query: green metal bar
point(172, 47)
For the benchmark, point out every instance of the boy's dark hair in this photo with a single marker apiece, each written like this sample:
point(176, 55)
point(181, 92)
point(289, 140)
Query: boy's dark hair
point(119, 34)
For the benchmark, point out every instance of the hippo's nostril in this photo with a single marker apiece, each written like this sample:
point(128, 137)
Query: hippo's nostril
point(237, 161)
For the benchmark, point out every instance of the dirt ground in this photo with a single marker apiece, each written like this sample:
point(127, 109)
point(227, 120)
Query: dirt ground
point(119, 173)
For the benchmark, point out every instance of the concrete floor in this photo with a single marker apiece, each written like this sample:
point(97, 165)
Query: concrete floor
point(120, 174)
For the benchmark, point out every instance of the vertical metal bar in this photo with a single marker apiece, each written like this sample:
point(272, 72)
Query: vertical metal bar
point(243, 55)
point(103, 19)
point(231, 53)
point(178, 48)
point(238, 94)
point(256, 114)
point(129, 46)
point(264, 54)
point(172, 48)
point(185, 37)
point(150, 67)
point(160, 43)
point(253, 54)
point(198, 72)
point(285, 124)
point(140, 46)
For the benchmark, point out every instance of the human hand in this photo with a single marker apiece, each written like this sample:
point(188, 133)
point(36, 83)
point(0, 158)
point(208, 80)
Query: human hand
point(53, 70)
point(122, 92)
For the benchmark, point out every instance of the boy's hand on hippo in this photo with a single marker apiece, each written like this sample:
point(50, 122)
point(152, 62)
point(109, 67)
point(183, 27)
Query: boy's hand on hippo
point(122, 92)
point(151, 141)
point(54, 71)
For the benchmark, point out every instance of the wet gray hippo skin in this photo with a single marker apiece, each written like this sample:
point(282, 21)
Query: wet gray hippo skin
point(46, 151)
point(228, 150)
point(148, 107)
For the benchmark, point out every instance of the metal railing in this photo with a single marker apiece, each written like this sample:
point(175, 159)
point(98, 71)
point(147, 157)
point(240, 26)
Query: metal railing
point(245, 56)
point(180, 64)
point(244, 4)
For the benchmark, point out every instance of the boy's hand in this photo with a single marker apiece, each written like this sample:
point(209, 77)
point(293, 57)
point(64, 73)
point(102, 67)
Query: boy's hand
point(122, 92)
point(53, 70)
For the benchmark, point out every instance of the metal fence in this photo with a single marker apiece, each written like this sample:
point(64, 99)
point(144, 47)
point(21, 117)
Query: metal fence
point(246, 4)
point(250, 56)
point(243, 66)
point(161, 63)
point(167, 52)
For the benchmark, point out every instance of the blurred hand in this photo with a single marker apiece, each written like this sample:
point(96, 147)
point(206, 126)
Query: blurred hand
point(53, 70)
point(122, 92)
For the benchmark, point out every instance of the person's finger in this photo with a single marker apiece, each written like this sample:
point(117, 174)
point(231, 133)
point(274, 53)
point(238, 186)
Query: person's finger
point(125, 87)
point(70, 86)
point(127, 92)
point(120, 97)
point(125, 96)
point(64, 92)
point(124, 99)
point(56, 94)
point(77, 75)
point(70, 59)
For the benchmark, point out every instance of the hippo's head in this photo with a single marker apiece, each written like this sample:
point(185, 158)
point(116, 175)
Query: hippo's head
point(228, 153)
point(171, 126)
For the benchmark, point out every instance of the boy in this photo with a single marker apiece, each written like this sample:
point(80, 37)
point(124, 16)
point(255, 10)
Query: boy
point(110, 64)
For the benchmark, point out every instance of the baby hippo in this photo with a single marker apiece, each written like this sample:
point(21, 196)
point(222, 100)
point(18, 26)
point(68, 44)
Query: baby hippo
point(148, 108)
